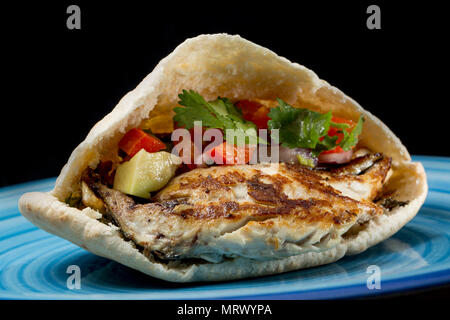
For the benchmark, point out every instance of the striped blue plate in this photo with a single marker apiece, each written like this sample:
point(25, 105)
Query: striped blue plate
point(34, 264)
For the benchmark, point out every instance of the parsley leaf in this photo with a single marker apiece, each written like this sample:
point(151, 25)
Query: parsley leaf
point(220, 113)
point(303, 128)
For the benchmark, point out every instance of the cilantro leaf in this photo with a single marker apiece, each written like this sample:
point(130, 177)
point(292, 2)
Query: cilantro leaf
point(197, 109)
point(298, 128)
point(303, 128)
point(220, 113)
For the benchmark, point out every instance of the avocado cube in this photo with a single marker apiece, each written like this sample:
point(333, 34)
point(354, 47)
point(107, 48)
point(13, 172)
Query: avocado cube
point(145, 172)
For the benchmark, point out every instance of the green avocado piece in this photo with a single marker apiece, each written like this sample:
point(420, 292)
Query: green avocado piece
point(145, 172)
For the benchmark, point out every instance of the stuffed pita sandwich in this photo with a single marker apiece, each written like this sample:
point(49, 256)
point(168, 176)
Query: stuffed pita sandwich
point(341, 183)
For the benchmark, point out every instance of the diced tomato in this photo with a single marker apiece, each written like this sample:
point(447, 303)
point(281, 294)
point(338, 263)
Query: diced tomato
point(342, 120)
point(248, 107)
point(338, 149)
point(231, 154)
point(136, 139)
point(255, 112)
point(260, 117)
point(333, 131)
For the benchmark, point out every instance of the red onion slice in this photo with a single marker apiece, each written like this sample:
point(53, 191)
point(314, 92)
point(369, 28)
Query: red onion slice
point(336, 157)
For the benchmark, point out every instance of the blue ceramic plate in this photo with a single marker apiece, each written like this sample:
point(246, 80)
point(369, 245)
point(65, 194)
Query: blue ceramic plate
point(33, 263)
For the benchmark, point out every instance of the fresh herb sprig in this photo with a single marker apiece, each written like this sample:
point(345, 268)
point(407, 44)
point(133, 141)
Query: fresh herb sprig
point(303, 128)
point(220, 113)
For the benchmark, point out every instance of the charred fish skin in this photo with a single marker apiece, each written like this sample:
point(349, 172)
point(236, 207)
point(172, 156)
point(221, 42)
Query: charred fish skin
point(361, 179)
point(263, 211)
point(359, 165)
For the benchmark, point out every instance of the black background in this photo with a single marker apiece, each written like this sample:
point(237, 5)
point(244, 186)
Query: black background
point(60, 82)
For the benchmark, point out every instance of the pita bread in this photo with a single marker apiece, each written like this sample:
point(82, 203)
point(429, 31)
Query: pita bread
point(232, 67)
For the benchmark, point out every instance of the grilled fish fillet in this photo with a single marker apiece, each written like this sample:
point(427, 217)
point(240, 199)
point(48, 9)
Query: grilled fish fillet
point(263, 211)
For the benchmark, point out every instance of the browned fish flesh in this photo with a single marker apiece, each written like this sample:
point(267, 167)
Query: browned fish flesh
point(262, 211)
